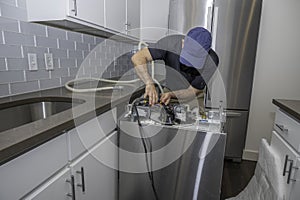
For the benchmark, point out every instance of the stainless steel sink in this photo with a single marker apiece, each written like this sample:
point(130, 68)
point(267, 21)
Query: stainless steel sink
point(22, 112)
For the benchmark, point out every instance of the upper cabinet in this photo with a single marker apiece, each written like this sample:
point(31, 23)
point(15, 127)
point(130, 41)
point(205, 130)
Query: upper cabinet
point(115, 15)
point(133, 14)
point(154, 19)
point(104, 17)
point(77, 15)
point(87, 10)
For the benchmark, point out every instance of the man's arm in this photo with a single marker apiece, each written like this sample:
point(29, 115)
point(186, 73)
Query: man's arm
point(140, 60)
point(184, 94)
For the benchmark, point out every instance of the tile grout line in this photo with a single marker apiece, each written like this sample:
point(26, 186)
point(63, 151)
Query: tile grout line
point(46, 31)
point(24, 76)
point(19, 26)
point(9, 89)
point(22, 52)
point(3, 39)
point(6, 65)
point(34, 41)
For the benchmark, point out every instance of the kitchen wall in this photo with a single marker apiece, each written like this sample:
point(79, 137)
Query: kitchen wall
point(277, 68)
point(69, 49)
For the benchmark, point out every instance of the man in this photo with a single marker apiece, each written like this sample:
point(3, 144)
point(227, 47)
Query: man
point(189, 56)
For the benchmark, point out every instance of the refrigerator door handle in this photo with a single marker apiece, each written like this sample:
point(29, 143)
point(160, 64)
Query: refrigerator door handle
point(231, 114)
point(209, 18)
point(215, 26)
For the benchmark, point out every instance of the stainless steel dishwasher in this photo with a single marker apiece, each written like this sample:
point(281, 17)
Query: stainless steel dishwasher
point(164, 155)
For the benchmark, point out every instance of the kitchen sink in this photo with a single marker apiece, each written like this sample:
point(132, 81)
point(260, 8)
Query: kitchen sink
point(15, 114)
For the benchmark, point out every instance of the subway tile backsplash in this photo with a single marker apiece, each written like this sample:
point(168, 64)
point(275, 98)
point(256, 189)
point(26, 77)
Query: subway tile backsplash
point(73, 53)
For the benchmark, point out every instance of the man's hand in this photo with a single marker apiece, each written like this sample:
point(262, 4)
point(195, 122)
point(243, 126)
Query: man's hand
point(166, 97)
point(184, 94)
point(150, 91)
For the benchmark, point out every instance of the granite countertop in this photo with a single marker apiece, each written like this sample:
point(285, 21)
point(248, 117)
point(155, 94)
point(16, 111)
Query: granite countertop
point(17, 141)
point(292, 107)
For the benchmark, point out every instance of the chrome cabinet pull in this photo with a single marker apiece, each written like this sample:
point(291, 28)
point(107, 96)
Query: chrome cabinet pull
point(82, 185)
point(290, 172)
point(75, 7)
point(281, 127)
point(72, 182)
point(285, 164)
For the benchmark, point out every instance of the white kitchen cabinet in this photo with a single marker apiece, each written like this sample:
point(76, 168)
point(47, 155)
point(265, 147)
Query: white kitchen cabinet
point(94, 16)
point(133, 14)
point(111, 16)
point(288, 128)
point(88, 134)
point(93, 179)
point(88, 10)
point(24, 173)
point(154, 19)
point(71, 14)
point(288, 151)
point(87, 178)
point(74, 154)
point(115, 15)
point(295, 187)
point(58, 187)
point(123, 16)
point(289, 161)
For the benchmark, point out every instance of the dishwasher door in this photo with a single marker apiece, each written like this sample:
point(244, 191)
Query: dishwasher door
point(194, 175)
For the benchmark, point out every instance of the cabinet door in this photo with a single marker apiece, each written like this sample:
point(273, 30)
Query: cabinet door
point(115, 15)
point(154, 19)
point(133, 18)
point(289, 159)
point(29, 170)
point(88, 10)
point(88, 134)
point(55, 188)
point(94, 180)
point(295, 188)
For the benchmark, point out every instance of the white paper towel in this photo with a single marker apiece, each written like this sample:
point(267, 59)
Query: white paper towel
point(267, 182)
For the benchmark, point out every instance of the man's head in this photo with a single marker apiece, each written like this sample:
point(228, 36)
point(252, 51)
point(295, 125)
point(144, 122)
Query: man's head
point(197, 43)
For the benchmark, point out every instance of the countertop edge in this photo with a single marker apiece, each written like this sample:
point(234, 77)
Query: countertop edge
point(286, 108)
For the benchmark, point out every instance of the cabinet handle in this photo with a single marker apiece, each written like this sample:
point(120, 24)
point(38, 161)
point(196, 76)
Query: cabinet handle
point(82, 185)
point(285, 164)
point(290, 172)
point(72, 182)
point(281, 127)
point(75, 7)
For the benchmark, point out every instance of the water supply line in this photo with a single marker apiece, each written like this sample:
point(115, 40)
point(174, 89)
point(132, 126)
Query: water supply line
point(68, 87)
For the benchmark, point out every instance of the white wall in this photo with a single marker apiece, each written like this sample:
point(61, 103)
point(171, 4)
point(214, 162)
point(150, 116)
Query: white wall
point(277, 70)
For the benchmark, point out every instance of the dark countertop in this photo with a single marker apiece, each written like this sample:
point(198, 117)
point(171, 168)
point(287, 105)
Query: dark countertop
point(17, 141)
point(292, 107)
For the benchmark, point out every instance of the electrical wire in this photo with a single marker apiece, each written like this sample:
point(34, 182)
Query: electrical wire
point(143, 138)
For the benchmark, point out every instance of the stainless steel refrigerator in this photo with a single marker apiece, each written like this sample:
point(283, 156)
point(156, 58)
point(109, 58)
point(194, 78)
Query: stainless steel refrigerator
point(234, 25)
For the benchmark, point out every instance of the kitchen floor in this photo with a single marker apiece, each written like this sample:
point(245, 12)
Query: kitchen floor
point(236, 176)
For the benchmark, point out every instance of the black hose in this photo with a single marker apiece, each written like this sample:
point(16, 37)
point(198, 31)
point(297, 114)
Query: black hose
point(149, 171)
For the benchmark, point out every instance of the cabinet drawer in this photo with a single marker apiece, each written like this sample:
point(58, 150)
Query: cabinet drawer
point(24, 173)
point(88, 134)
point(288, 128)
point(289, 157)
